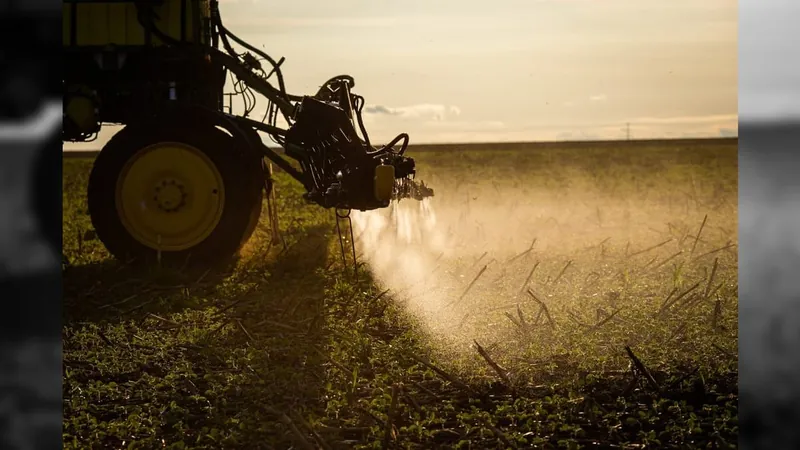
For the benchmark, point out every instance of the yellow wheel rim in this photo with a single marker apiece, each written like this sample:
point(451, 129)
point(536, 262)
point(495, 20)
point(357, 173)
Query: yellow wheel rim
point(170, 196)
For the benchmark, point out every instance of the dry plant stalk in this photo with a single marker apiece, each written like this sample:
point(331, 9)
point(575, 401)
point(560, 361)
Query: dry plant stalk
point(410, 398)
point(670, 258)
point(677, 332)
point(642, 369)
point(715, 316)
point(561, 274)
point(666, 301)
point(479, 259)
point(711, 278)
point(521, 318)
point(603, 322)
point(697, 238)
point(725, 247)
point(466, 291)
point(246, 333)
point(575, 319)
point(538, 319)
point(523, 253)
point(446, 376)
point(528, 279)
point(543, 307)
point(651, 248)
point(501, 372)
point(668, 305)
point(514, 321)
point(680, 380)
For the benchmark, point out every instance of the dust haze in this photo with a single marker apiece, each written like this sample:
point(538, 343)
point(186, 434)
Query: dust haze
point(478, 261)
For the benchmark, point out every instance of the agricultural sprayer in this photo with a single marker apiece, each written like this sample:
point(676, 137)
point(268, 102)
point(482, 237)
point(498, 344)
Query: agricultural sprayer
point(184, 178)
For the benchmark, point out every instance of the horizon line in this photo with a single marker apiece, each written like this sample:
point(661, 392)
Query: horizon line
point(517, 143)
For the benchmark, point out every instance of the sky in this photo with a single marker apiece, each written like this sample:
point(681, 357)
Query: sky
point(511, 70)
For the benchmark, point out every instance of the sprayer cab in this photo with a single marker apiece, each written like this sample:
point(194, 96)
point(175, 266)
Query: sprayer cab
point(341, 169)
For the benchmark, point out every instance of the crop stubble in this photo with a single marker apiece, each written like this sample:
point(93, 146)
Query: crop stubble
point(562, 297)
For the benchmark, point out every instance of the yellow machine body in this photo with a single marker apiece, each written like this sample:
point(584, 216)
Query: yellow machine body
point(80, 108)
point(101, 24)
point(82, 111)
point(384, 182)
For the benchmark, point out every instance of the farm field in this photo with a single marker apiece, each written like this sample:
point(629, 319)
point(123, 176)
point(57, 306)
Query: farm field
point(545, 298)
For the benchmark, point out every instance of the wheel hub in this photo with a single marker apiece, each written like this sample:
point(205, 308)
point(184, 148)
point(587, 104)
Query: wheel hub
point(170, 195)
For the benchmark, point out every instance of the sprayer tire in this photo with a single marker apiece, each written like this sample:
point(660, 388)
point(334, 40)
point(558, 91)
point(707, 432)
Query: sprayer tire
point(231, 217)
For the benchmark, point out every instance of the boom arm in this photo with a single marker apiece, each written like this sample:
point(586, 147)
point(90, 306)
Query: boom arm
point(339, 168)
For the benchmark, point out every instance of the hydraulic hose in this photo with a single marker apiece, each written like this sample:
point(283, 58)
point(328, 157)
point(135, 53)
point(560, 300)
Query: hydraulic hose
point(394, 141)
point(359, 107)
point(225, 33)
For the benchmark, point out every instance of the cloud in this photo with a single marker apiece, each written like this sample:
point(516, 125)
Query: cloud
point(379, 109)
point(420, 111)
point(598, 98)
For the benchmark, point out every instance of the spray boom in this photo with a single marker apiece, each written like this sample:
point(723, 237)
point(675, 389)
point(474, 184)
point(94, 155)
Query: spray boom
point(344, 170)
